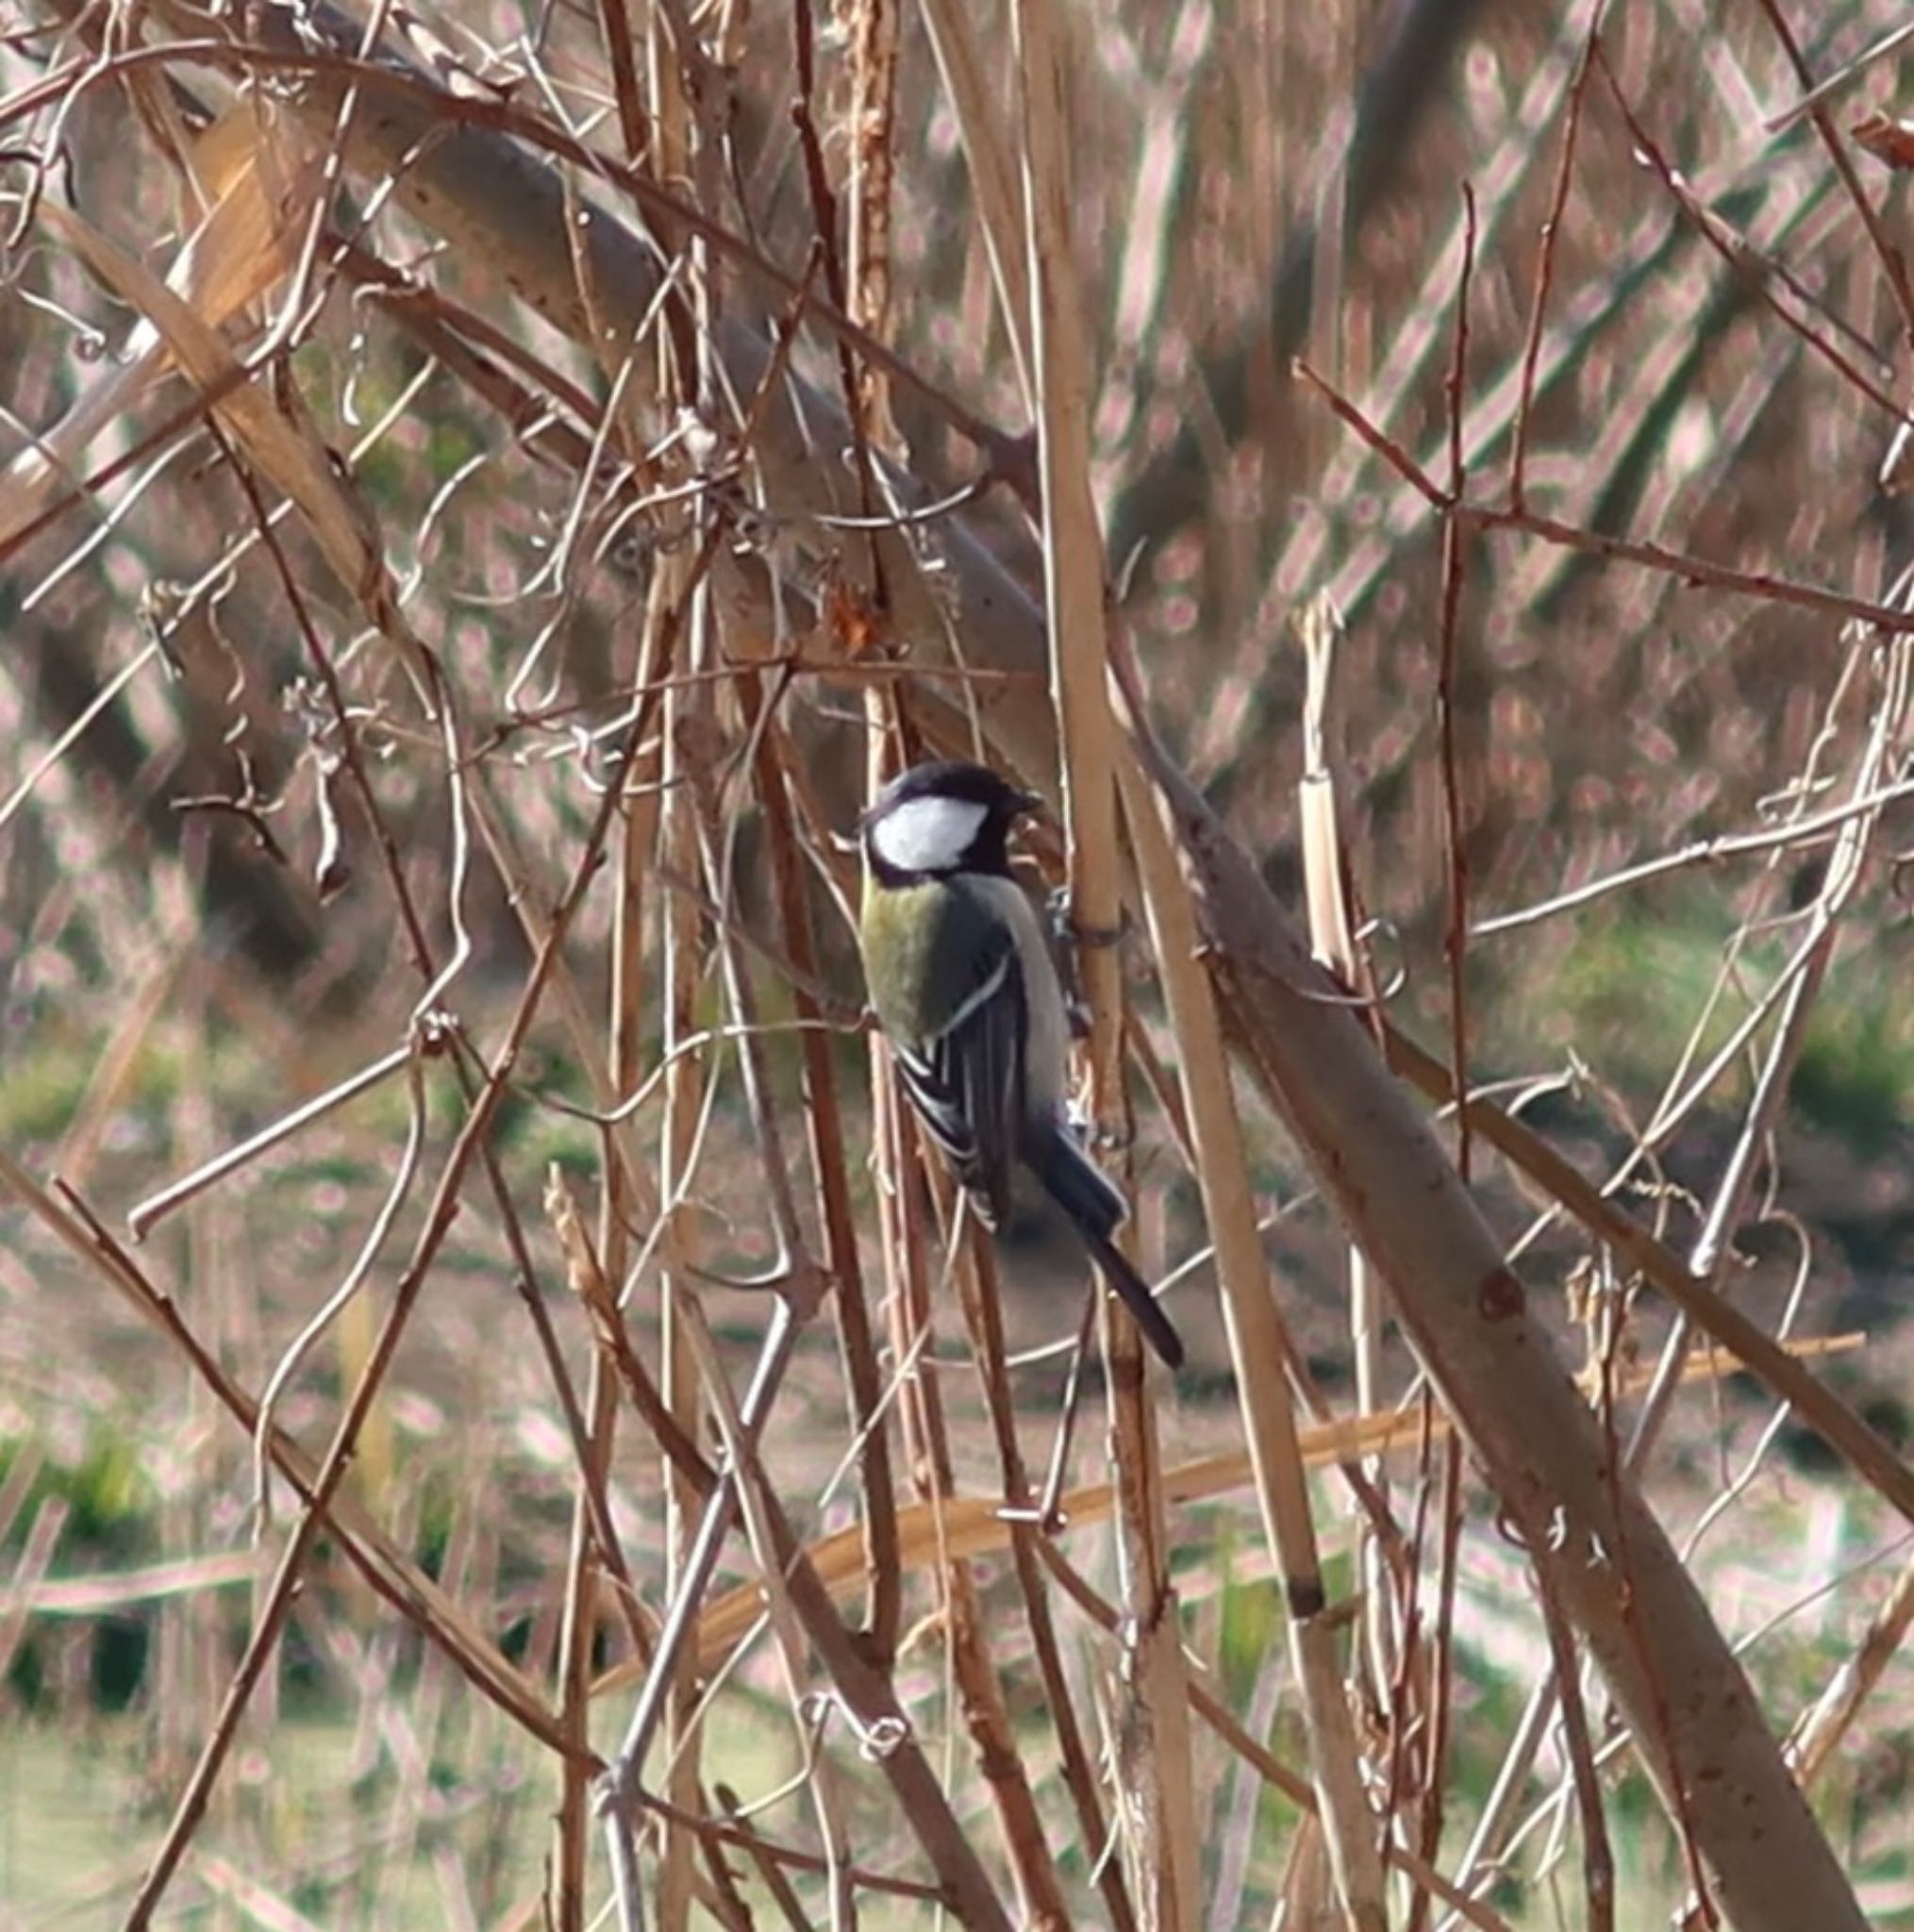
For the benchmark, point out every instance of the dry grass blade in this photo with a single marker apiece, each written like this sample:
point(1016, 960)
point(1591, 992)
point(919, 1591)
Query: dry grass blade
point(959, 1529)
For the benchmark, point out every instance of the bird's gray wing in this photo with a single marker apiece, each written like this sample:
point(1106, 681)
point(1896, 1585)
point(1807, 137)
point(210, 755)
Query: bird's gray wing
point(967, 1081)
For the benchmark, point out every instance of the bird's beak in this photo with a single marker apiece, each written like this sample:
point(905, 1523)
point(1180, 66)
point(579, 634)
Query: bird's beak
point(1030, 805)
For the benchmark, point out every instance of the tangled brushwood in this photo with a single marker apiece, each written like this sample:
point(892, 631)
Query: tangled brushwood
point(521, 1403)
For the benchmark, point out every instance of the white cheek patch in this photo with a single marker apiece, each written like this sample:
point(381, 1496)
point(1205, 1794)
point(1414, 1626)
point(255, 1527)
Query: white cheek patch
point(927, 834)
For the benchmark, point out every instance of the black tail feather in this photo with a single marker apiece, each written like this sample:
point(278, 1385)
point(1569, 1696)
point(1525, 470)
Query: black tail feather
point(1095, 1207)
point(1136, 1296)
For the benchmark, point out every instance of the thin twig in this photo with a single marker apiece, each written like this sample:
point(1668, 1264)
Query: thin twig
point(1456, 857)
point(1680, 565)
point(1545, 267)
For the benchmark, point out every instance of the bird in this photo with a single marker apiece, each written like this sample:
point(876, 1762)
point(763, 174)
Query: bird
point(965, 988)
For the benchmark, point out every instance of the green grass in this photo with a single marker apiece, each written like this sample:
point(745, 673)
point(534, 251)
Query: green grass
point(301, 1814)
point(1628, 993)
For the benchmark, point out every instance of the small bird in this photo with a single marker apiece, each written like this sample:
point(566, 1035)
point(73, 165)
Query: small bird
point(962, 976)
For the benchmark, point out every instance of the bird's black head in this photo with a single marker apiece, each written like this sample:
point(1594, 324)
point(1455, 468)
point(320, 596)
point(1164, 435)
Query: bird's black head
point(943, 817)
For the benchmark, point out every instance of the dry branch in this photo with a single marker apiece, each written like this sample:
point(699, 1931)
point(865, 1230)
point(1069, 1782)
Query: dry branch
point(1692, 1710)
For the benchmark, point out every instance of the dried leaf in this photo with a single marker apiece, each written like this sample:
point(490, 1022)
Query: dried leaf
point(243, 247)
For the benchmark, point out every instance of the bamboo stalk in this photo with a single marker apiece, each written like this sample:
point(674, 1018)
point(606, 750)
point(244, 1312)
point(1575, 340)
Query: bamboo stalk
point(1165, 1861)
point(1257, 1342)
